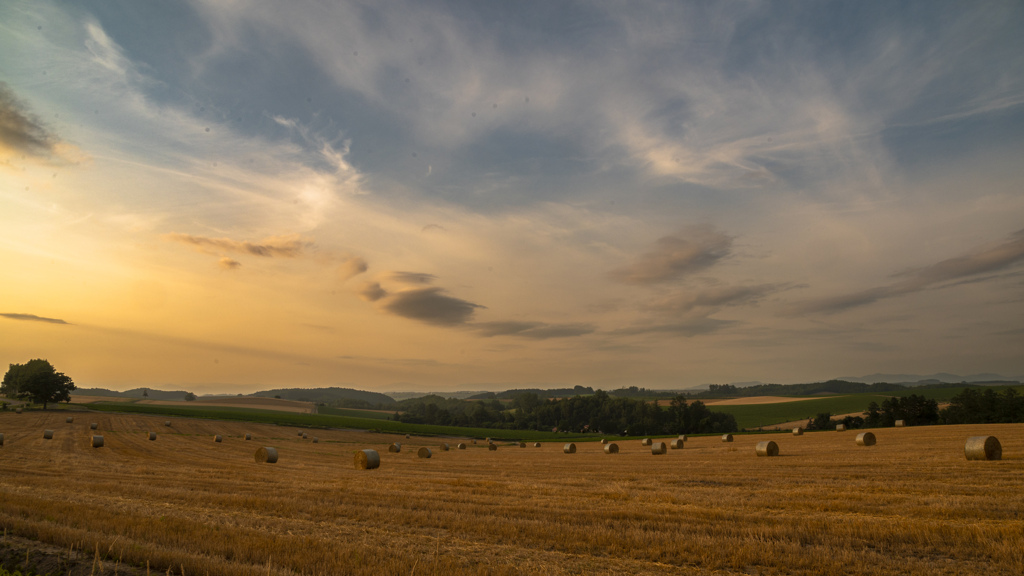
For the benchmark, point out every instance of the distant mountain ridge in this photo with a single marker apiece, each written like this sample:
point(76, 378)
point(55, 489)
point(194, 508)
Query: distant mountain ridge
point(151, 394)
point(326, 395)
point(944, 377)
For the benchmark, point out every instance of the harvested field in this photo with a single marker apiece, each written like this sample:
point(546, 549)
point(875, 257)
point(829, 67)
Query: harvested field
point(822, 506)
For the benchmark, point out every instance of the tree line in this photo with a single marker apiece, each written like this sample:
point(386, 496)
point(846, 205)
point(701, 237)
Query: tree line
point(599, 412)
point(969, 406)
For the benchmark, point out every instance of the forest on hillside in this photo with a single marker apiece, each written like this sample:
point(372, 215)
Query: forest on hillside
point(599, 412)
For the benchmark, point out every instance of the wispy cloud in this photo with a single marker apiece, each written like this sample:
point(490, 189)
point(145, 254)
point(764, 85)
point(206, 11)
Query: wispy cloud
point(229, 263)
point(275, 246)
point(32, 318)
point(673, 257)
point(532, 330)
point(411, 278)
point(982, 261)
point(22, 133)
point(692, 327)
point(714, 297)
point(351, 267)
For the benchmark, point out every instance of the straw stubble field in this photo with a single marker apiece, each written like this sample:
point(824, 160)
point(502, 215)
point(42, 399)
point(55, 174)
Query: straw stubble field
point(912, 504)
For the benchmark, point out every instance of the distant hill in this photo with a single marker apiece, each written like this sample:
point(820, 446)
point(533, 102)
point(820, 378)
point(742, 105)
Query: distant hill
point(549, 393)
point(134, 393)
point(810, 389)
point(328, 395)
point(921, 379)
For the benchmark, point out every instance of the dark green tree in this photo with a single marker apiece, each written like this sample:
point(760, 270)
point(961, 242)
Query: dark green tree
point(38, 381)
point(822, 421)
point(190, 397)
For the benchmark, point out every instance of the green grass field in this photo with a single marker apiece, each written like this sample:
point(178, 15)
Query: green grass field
point(332, 421)
point(754, 415)
point(354, 413)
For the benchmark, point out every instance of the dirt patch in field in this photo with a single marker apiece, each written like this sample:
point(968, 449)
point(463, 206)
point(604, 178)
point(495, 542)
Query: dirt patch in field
point(27, 556)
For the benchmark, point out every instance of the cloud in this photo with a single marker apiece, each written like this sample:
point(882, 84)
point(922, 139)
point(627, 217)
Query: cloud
point(229, 263)
point(695, 249)
point(689, 328)
point(289, 246)
point(938, 275)
point(412, 278)
point(532, 330)
point(372, 292)
point(351, 267)
point(33, 318)
point(24, 134)
point(716, 297)
point(433, 227)
point(429, 305)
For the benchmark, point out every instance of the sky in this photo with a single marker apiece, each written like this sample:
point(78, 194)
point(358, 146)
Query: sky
point(228, 196)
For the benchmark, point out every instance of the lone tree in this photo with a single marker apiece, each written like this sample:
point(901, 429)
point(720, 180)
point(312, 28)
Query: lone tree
point(38, 381)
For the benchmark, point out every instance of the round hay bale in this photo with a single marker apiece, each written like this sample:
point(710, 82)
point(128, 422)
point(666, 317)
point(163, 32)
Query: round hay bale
point(569, 448)
point(983, 448)
point(367, 459)
point(682, 437)
point(48, 434)
point(266, 455)
point(726, 437)
point(444, 447)
point(248, 436)
point(97, 441)
point(522, 444)
point(474, 441)
point(396, 447)
point(645, 442)
point(899, 423)
point(611, 448)
point(767, 448)
point(865, 439)
point(658, 448)
point(460, 446)
point(798, 431)
point(217, 438)
point(406, 435)
point(17, 410)
point(167, 423)
point(316, 440)
point(604, 440)
point(301, 433)
point(840, 427)
point(152, 435)
point(676, 444)
point(424, 452)
point(94, 426)
point(304, 436)
point(492, 447)
point(536, 444)
point(70, 419)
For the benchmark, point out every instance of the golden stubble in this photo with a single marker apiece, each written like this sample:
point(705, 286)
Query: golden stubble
point(912, 504)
